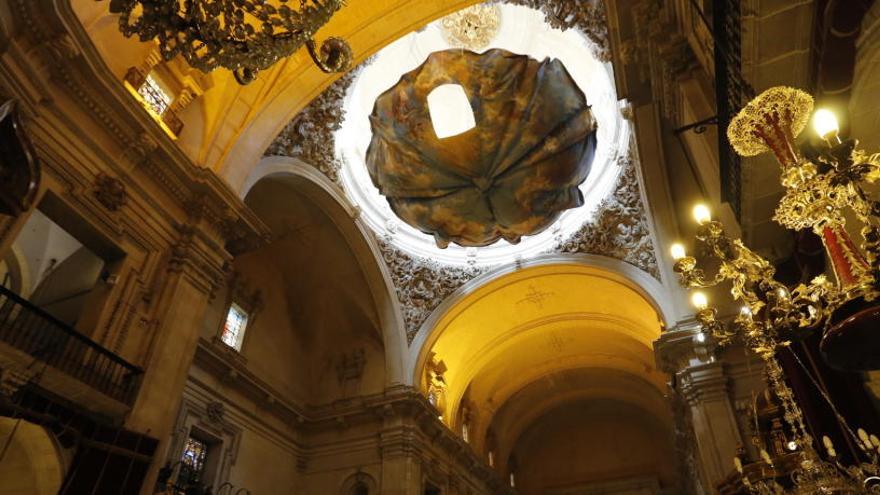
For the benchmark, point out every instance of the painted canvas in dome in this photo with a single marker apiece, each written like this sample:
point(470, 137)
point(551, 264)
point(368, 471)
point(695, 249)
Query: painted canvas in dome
point(510, 176)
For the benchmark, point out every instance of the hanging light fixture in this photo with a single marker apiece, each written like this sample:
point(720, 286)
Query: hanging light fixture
point(243, 36)
point(820, 191)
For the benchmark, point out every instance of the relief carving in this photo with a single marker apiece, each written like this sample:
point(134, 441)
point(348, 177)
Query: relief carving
point(421, 284)
point(587, 16)
point(109, 191)
point(620, 229)
point(311, 135)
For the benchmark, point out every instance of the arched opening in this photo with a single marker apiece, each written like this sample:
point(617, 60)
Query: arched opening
point(30, 462)
point(319, 280)
point(548, 364)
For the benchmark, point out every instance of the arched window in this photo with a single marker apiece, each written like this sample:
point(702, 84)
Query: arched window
point(360, 488)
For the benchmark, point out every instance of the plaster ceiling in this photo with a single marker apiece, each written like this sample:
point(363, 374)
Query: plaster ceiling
point(521, 31)
point(580, 327)
point(229, 126)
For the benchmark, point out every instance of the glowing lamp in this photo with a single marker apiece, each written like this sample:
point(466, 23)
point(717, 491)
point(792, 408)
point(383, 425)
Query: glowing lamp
point(699, 300)
point(825, 123)
point(702, 214)
point(677, 251)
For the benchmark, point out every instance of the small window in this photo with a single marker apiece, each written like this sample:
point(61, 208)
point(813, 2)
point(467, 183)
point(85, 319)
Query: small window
point(464, 432)
point(233, 329)
point(512, 481)
point(192, 462)
point(156, 98)
point(491, 459)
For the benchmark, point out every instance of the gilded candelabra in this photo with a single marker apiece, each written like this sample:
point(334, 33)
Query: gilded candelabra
point(243, 36)
point(820, 188)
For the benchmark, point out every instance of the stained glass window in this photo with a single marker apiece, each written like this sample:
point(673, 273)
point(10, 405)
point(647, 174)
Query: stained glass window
point(192, 463)
point(233, 329)
point(153, 94)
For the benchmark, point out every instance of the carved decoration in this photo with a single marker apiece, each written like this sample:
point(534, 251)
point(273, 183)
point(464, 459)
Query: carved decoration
point(311, 135)
point(620, 229)
point(472, 28)
point(214, 412)
point(109, 191)
point(350, 366)
point(421, 284)
point(587, 16)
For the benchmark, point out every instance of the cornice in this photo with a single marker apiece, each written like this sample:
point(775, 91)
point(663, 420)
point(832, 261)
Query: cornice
point(409, 423)
point(74, 65)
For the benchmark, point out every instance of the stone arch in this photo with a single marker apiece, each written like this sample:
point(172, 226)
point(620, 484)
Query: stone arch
point(652, 290)
point(357, 483)
point(331, 200)
point(33, 463)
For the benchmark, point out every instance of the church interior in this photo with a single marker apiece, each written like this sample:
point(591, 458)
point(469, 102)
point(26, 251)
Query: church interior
point(439, 247)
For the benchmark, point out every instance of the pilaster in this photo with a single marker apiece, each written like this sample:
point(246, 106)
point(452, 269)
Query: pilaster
point(702, 383)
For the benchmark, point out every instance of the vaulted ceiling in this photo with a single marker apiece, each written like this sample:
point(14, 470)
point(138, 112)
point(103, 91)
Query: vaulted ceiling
point(235, 123)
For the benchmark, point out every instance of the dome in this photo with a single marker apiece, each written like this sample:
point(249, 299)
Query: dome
point(512, 175)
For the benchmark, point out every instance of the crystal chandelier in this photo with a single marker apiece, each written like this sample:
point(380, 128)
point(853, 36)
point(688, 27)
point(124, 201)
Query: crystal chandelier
point(821, 190)
point(243, 36)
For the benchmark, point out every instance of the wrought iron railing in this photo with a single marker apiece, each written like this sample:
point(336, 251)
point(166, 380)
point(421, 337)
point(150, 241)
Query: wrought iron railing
point(29, 329)
point(731, 93)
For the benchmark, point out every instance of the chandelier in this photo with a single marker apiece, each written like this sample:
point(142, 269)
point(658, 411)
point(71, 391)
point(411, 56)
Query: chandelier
point(243, 36)
point(821, 189)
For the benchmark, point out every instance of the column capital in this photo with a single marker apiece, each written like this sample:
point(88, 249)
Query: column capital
point(683, 346)
point(704, 382)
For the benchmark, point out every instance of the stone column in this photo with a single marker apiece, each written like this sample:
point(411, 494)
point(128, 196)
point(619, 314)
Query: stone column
point(183, 299)
point(702, 383)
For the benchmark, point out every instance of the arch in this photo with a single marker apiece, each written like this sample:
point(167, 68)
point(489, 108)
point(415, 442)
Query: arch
point(328, 197)
point(357, 482)
point(33, 464)
point(634, 278)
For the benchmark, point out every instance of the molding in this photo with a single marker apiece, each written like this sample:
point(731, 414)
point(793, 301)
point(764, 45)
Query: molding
point(74, 65)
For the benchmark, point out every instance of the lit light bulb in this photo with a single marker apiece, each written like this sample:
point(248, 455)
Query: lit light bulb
point(792, 445)
point(699, 300)
point(701, 337)
point(678, 252)
point(825, 123)
point(702, 214)
point(745, 311)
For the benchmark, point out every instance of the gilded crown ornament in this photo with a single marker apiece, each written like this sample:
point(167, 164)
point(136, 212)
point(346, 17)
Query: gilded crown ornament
point(243, 36)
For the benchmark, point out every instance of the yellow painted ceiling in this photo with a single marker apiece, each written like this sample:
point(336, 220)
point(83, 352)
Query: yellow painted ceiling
point(229, 127)
point(531, 325)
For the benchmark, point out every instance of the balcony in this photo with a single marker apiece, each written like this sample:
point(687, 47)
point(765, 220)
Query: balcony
point(62, 361)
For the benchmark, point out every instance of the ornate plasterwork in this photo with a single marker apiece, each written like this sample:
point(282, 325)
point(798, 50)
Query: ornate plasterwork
point(421, 284)
point(311, 135)
point(472, 28)
point(620, 229)
point(587, 16)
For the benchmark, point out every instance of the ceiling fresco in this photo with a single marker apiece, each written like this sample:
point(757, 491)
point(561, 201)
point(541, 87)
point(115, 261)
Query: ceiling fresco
point(511, 175)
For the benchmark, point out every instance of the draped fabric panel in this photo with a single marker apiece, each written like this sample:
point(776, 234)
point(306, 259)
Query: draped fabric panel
point(510, 176)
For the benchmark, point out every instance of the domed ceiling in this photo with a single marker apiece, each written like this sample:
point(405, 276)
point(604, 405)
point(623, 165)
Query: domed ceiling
point(509, 176)
point(542, 157)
